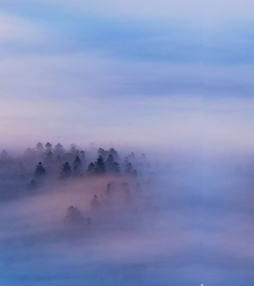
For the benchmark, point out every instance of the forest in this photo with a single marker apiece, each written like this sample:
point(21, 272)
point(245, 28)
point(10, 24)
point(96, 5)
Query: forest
point(106, 181)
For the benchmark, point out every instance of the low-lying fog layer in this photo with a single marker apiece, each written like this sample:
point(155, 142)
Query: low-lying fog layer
point(150, 223)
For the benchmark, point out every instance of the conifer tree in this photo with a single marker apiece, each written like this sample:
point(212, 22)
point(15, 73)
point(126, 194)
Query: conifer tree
point(40, 171)
point(77, 165)
point(100, 167)
point(32, 185)
point(65, 171)
point(95, 202)
point(73, 216)
point(59, 149)
point(112, 166)
point(91, 169)
point(39, 147)
point(48, 147)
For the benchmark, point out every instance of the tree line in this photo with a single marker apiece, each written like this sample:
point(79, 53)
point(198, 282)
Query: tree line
point(59, 163)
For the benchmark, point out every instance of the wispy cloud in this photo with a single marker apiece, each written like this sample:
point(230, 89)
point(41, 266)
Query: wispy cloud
point(197, 11)
point(17, 30)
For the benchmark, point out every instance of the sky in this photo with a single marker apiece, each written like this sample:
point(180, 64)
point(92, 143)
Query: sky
point(155, 73)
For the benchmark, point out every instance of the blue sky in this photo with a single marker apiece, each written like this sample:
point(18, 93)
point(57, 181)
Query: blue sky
point(127, 72)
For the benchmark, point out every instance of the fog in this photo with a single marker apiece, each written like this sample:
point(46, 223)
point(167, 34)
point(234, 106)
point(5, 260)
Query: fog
point(177, 221)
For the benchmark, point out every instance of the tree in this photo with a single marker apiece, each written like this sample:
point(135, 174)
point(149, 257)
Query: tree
point(83, 154)
point(32, 185)
point(77, 164)
point(132, 156)
point(4, 155)
point(73, 149)
point(73, 216)
point(49, 158)
point(39, 147)
point(40, 171)
point(103, 153)
point(100, 167)
point(91, 169)
point(112, 166)
point(108, 191)
point(114, 153)
point(129, 170)
point(65, 171)
point(95, 202)
point(59, 150)
point(5, 159)
point(29, 152)
point(48, 147)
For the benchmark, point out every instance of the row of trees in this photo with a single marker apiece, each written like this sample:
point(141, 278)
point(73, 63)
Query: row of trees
point(107, 163)
point(99, 167)
point(56, 162)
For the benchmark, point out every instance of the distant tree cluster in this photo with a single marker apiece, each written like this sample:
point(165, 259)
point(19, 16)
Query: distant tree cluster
point(47, 162)
point(75, 217)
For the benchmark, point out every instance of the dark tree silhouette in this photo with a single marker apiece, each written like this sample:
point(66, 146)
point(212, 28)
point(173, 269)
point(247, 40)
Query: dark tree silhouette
point(29, 153)
point(73, 216)
point(126, 190)
point(95, 202)
point(100, 167)
point(91, 169)
point(49, 158)
point(103, 153)
point(5, 158)
point(73, 149)
point(59, 150)
point(32, 185)
point(39, 147)
point(65, 171)
point(83, 154)
point(40, 171)
point(108, 191)
point(129, 169)
point(77, 164)
point(114, 153)
point(112, 167)
point(48, 147)
point(132, 156)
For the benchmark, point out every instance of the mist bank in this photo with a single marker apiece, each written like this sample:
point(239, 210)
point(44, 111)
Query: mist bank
point(175, 219)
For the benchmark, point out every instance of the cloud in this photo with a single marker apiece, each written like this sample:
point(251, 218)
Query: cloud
point(90, 90)
point(18, 30)
point(212, 14)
